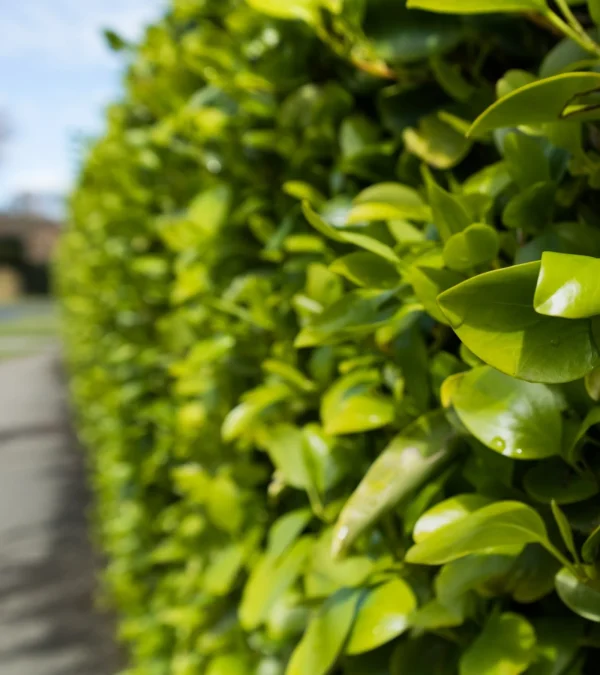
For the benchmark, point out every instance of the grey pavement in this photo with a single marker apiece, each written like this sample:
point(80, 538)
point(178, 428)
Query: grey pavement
point(49, 624)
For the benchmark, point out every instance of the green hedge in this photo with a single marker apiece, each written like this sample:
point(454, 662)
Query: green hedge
point(332, 321)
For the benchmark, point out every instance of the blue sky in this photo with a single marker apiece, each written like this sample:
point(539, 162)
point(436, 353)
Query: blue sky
point(56, 76)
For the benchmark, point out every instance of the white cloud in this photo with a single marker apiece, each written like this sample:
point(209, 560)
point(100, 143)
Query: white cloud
point(68, 32)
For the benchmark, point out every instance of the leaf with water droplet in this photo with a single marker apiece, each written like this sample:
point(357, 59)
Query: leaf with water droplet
point(518, 419)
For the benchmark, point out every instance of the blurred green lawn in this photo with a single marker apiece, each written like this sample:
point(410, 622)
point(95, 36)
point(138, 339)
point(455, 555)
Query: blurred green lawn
point(27, 327)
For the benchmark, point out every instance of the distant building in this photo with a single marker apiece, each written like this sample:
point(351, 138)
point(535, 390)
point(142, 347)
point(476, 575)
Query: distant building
point(27, 243)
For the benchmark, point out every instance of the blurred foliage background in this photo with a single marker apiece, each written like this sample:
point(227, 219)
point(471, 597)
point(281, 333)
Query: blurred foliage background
point(303, 463)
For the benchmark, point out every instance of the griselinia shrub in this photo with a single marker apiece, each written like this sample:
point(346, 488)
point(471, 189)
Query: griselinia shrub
point(331, 289)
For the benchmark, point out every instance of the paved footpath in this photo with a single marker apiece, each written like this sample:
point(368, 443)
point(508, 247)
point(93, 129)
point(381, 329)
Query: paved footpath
point(48, 623)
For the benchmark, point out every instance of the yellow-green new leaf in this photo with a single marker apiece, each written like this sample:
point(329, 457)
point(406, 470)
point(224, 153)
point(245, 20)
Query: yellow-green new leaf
point(478, 6)
point(548, 100)
point(568, 286)
point(506, 646)
point(491, 529)
point(388, 201)
point(325, 636)
point(382, 616)
point(446, 512)
point(353, 404)
point(476, 245)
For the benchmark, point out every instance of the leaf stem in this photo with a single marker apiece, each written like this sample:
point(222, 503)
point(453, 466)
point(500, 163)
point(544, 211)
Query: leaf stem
point(563, 5)
point(578, 35)
point(563, 560)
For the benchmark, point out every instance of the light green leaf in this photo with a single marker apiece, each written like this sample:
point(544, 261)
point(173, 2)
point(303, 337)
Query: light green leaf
point(568, 286)
point(479, 7)
point(428, 282)
point(388, 201)
point(475, 245)
point(271, 576)
point(412, 458)
point(437, 143)
point(582, 597)
point(325, 575)
point(284, 443)
point(449, 214)
point(325, 636)
point(359, 312)
point(337, 234)
point(367, 269)
point(488, 530)
point(564, 528)
point(446, 512)
point(506, 646)
point(543, 101)
point(352, 404)
point(285, 530)
point(518, 419)
point(254, 404)
point(382, 616)
point(493, 315)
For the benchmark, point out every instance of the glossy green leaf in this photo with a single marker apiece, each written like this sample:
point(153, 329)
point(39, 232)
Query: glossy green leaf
point(479, 6)
point(325, 636)
point(568, 286)
point(543, 101)
point(353, 404)
point(493, 315)
point(556, 480)
point(382, 615)
point(446, 512)
point(475, 245)
point(580, 596)
point(415, 455)
point(506, 646)
point(487, 530)
point(518, 419)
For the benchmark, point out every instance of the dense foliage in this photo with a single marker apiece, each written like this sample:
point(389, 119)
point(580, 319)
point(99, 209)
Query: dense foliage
point(332, 300)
